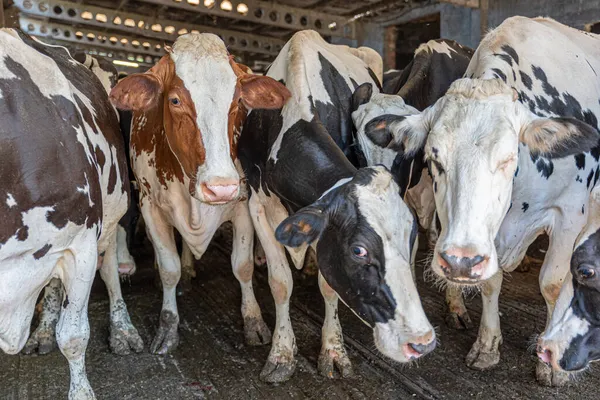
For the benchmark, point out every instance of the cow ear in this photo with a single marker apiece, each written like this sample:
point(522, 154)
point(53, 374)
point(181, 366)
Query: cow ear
point(304, 227)
point(559, 137)
point(137, 92)
point(262, 92)
point(408, 133)
point(362, 95)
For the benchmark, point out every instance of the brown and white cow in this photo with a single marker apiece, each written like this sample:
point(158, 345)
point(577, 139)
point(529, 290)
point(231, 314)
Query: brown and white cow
point(63, 190)
point(188, 110)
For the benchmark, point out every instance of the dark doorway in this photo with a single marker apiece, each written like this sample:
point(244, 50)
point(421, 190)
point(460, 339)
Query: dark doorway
point(412, 34)
point(595, 27)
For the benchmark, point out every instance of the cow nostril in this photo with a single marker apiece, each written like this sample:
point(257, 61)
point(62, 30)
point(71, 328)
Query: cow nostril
point(544, 354)
point(459, 265)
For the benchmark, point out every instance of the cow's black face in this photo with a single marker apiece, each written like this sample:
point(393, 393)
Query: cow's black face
point(572, 340)
point(365, 236)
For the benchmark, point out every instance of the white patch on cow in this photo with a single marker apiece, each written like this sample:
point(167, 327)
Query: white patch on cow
point(391, 219)
point(86, 190)
point(212, 92)
point(437, 46)
point(337, 185)
point(10, 200)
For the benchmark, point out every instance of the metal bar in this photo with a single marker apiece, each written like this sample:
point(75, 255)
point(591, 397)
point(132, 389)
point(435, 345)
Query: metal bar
point(89, 37)
point(267, 13)
point(143, 25)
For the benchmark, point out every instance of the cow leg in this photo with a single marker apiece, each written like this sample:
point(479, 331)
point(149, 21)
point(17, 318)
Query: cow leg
point(161, 235)
point(73, 329)
point(256, 331)
point(554, 270)
point(187, 269)
point(127, 265)
point(333, 353)
point(457, 316)
point(123, 336)
point(43, 339)
point(485, 352)
point(281, 362)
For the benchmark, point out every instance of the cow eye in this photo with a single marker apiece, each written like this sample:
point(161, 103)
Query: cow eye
point(586, 271)
point(359, 251)
point(175, 101)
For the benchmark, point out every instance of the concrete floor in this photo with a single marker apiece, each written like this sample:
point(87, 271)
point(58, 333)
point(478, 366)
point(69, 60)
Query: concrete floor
point(212, 360)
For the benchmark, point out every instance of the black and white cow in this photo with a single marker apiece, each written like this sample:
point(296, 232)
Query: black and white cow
point(63, 179)
point(513, 151)
point(435, 66)
point(572, 339)
point(363, 232)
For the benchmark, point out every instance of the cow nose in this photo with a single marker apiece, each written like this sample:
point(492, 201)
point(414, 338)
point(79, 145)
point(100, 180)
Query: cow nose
point(420, 346)
point(220, 193)
point(544, 354)
point(462, 265)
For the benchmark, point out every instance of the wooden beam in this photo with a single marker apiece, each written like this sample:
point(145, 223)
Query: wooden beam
point(1, 14)
point(483, 16)
point(463, 3)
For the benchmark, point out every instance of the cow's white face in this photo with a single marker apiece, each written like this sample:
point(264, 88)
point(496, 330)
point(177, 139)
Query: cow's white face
point(471, 139)
point(366, 236)
point(472, 156)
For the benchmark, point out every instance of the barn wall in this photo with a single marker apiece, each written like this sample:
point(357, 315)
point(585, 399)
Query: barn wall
point(460, 24)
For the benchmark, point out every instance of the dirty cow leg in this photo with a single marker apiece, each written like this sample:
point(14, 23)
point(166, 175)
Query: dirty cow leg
point(187, 269)
point(72, 329)
point(281, 362)
point(161, 235)
point(43, 339)
point(553, 272)
point(255, 329)
point(333, 352)
point(127, 265)
point(485, 352)
point(123, 336)
point(457, 316)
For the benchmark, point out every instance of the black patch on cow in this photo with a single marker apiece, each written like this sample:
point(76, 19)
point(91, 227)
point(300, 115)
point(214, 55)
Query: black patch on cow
point(525, 206)
point(543, 165)
point(42, 252)
point(362, 95)
point(437, 164)
point(378, 130)
point(429, 75)
point(505, 57)
point(583, 209)
point(407, 170)
point(499, 74)
point(540, 75)
point(517, 171)
point(375, 79)
point(595, 152)
point(580, 161)
point(589, 178)
point(434, 187)
point(66, 302)
point(596, 176)
point(391, 82)
point(578, 179)
point(526, 79)
point(511, 52)
point(22, 233)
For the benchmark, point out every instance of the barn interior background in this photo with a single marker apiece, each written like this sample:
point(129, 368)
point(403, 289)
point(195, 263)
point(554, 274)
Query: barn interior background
point(132, 33)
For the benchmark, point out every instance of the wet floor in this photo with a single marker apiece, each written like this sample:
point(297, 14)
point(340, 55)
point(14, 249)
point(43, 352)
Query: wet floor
point(212, 360)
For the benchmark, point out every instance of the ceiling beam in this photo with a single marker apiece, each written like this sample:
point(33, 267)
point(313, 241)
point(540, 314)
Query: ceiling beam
point(142, 25)
point(270, 13)
point(463, 3)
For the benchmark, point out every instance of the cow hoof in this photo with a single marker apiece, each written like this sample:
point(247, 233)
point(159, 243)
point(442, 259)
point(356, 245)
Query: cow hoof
point(256, 332)
point(278, 371)
point(127, 269)
point(331, 359)
point(480, 358)
point(124, 341)
point(42, 340)
point(167, 337)
point(548, 377)
point(459, 320)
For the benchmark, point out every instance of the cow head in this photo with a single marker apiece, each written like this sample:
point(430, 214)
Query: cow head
point(203, 96)
point(471, 141)
point(572, 339)
point(365, 237)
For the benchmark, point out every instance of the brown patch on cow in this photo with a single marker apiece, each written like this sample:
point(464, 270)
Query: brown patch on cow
point(551, 292)
point(23, 233)
point(100, 157)
point(244, 271)
point(42, 252)
point(279, 291)
point(112, 178)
